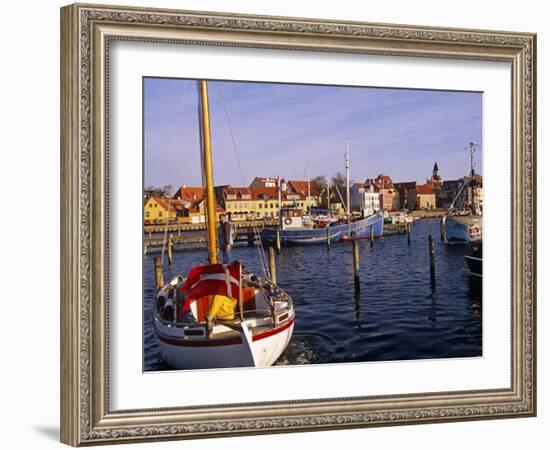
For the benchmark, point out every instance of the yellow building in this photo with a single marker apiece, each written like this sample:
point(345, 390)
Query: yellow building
point(257, 202)
point(158, 210)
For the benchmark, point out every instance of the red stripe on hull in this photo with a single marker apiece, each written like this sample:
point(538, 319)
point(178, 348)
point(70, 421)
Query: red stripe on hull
point(273, 332)
point(220, 342)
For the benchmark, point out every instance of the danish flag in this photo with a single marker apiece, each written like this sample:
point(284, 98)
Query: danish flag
point(212, 279)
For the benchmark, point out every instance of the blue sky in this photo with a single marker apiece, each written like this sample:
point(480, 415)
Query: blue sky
point(281, 128)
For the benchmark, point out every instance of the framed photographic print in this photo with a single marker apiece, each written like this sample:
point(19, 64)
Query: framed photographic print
point(278, 225)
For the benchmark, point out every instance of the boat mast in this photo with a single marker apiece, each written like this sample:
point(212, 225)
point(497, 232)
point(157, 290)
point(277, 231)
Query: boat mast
point(328, 196)
point(308, 187)
point(279, 194)
point(208, 178)
point(347, 178)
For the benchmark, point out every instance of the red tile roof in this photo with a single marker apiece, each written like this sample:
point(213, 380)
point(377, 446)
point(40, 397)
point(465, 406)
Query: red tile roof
point(424, 189)
point(262, 192)
point(300, 186)
point(162, 203)
point(189, 193)
point(237, 191)
point(271, 193)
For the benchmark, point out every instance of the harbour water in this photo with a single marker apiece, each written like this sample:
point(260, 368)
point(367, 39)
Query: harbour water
point(402, 311)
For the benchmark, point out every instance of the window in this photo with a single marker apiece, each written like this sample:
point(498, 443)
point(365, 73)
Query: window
point(147, 214)
point(160, 213)
point(260, 205)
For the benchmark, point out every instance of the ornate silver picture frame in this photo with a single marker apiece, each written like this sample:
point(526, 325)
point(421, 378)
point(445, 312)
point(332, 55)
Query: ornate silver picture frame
point(87, 33)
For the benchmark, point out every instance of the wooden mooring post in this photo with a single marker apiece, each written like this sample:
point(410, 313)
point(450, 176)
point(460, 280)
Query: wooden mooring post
point(278, 241)
point(442, 229)
point(272, 268)
point(328, 238)
point(356, 265)
point(431, 247)
point(409, 233)
point(431, 250)
point(145, 249)
point(170, 255)
point(371, 236)
point(250, 239)
point(159, 277)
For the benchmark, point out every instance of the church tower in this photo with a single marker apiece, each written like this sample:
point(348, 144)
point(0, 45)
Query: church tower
point(436, 179)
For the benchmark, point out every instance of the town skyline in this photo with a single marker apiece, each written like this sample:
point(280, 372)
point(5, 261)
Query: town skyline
point(281, 129)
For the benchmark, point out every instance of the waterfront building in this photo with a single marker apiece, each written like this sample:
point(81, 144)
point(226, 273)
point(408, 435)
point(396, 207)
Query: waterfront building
point(402, 189)
point(196, 213)
point(266, 201)
point(388, 196)
point(237, 202)
point(448, 192)
point(158, 210)
point(475, 190)
point(422, 197)
point(303, 187)
point(365, 199)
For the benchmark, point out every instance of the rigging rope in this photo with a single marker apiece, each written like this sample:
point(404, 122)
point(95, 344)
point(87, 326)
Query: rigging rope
point(261, 252)
point(173, 167)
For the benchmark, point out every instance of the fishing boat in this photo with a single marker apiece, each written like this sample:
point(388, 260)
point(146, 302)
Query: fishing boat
point(461, 229)
point(298, 228)
point(293, 231)
point(474, 258)
point(220, 315)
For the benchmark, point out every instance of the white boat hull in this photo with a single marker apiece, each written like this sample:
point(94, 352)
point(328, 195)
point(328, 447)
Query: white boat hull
point(462, 229)
point(266, 348)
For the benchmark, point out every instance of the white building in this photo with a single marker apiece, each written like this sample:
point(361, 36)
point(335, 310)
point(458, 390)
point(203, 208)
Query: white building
point(365, 199)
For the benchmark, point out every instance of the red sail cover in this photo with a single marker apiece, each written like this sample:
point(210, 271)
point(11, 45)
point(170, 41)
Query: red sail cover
point(213, 279)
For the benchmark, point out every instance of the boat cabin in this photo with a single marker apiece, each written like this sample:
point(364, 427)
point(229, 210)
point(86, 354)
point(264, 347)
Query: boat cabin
point(292, 219)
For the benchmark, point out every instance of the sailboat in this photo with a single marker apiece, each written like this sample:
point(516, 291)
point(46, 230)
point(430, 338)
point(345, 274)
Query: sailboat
point(294, 230)
point(257, 319)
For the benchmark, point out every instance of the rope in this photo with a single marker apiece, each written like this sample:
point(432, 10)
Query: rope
point(261, 252)
point(165, 236)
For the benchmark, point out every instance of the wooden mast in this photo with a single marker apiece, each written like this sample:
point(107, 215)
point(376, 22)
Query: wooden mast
point(208, 175)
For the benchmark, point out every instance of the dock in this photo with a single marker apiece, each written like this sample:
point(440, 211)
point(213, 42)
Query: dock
point(195, 241)
point(395, 228)
point(184, 227)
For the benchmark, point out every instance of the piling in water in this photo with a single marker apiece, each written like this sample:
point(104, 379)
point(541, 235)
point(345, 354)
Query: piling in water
point(356, 265)
point(431, 250)
point(272, 269)
point(409, 233)
point(328, 238)
point(371, 236)
point(169, 253)
point(442, 229)
point(278, 241)
point(159, 277)
point(144, 249)
point(431, 247)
